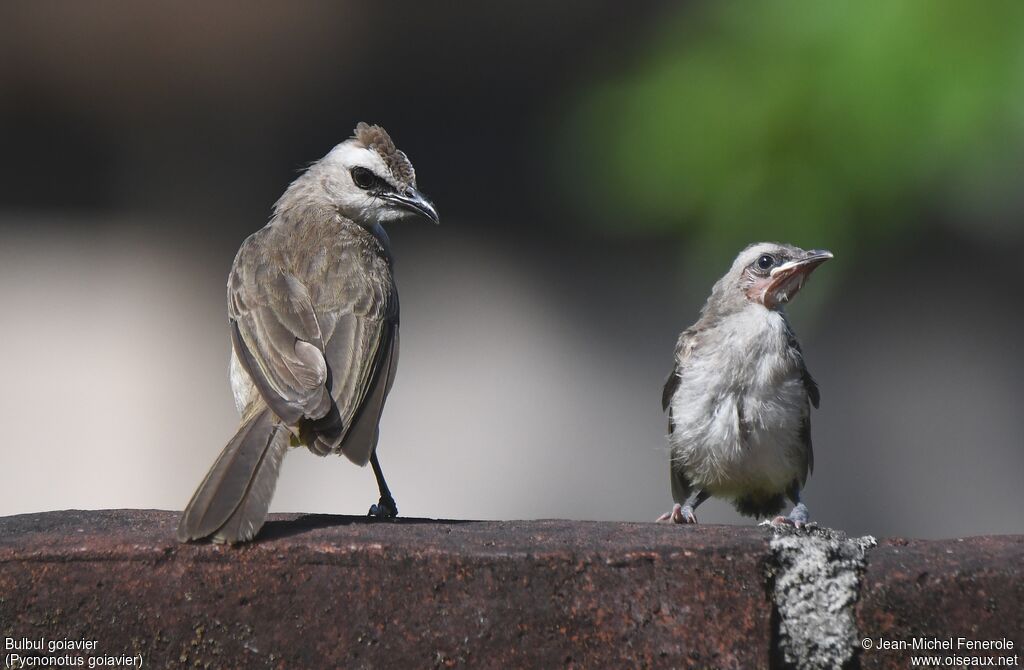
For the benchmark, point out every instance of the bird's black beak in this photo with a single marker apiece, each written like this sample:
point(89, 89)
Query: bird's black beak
point(818, 256)
point(413, 202)
point(803, 265)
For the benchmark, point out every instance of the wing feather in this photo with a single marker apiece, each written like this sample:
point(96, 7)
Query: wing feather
point(276, 334)
point(360, 439)
point(318, 339)
point(813, 397)
point(684, 346)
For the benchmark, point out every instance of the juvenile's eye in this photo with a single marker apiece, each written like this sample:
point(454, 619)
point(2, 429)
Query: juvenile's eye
point(765, 262)
point(363, 178)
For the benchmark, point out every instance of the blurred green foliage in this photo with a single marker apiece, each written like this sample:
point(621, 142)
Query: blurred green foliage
point(820, 123)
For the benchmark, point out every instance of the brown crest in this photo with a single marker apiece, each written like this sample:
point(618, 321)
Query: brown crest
point(377, 139)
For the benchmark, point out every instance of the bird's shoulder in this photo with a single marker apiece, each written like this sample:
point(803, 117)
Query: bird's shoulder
point(250, 265)
point(796, 353)
point(337, 264)
point(685, 345)
point(687, 342)
point(351, 269)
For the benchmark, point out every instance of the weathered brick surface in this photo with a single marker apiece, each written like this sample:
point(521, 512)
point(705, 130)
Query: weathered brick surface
point(330, 591)
point(947, 589)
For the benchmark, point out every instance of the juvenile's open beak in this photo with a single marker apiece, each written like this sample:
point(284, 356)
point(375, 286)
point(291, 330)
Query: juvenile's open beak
point(805, 265)
point(413, 202)
point(788, 278)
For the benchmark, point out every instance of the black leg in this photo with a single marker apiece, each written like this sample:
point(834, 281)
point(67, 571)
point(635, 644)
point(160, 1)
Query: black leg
point(385, 507)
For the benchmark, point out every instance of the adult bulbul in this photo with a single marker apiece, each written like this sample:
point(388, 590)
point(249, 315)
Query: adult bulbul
point(313, 317)
point(739, 394)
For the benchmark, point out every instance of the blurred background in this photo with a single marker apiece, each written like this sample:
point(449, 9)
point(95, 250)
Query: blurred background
point(597, 166)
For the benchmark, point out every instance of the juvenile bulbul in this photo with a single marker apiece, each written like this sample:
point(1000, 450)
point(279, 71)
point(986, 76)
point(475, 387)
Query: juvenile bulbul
point(739, 394)
point(313, 318)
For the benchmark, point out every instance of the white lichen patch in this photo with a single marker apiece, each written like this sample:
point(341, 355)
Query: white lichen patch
point(815, 578)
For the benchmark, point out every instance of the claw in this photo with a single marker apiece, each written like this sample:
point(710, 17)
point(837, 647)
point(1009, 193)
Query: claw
point(671, 515)
point(679, 514)
point(386, 508)
point(798, 518)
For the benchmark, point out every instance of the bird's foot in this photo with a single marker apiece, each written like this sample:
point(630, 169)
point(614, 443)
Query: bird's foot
point(798, 518)
point(386, 508)
point(674, 515)
point(679, 514)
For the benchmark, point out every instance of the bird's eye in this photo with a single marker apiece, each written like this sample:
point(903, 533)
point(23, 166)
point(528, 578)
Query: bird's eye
point(765, 262)
point(363, 178)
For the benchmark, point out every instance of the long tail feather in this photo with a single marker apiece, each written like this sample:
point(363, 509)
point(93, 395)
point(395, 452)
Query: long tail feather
point(232, 502)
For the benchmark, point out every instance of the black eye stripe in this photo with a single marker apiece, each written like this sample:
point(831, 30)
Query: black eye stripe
point(364, 179)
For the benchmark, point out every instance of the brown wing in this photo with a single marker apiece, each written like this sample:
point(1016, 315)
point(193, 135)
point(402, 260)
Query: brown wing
point(362, 354)
point(813, 397)
point(277, 337)
point(314, 317)
point(360, 438)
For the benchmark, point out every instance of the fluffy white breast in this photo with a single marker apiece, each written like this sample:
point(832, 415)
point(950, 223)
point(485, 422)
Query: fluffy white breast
point(738, 408)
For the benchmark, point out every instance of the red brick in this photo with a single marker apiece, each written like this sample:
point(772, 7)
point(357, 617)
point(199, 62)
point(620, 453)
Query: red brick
point(330, 591)
point(972, 588)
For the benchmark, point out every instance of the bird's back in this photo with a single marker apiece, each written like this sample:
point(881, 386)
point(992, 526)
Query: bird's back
point(340, 263)
point(344, 271)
